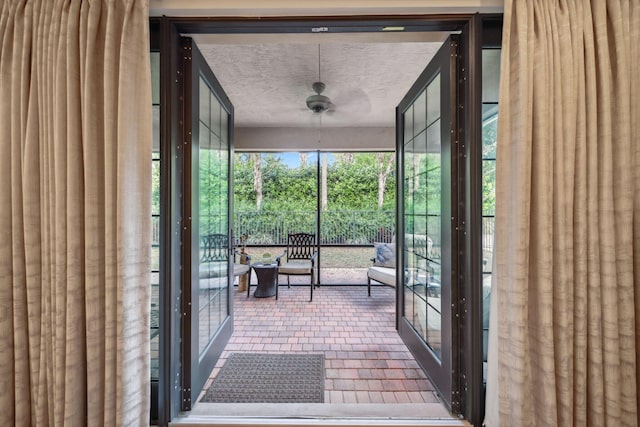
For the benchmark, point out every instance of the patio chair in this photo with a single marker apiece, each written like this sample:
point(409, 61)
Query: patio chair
point(299, 258)
point(214, 256)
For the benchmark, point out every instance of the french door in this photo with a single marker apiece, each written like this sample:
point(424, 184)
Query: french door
point(207, 320)
point(426, 130)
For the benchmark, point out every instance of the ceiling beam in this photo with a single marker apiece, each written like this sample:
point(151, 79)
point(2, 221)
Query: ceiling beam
point(310, 139)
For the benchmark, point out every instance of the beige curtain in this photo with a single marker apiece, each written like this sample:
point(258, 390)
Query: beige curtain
point(75, 132)
point(567, 323)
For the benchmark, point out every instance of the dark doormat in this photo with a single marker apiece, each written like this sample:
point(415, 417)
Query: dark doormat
point(272, 378)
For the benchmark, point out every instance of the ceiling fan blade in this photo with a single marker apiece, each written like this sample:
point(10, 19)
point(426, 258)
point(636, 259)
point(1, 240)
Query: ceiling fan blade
point(352, 100)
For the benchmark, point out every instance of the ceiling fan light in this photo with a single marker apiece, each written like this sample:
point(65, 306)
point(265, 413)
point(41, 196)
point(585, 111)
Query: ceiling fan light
point(318, 103)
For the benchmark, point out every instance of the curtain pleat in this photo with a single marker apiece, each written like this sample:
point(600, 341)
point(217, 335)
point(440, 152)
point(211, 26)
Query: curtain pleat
point(75, 127)
point(565, 329)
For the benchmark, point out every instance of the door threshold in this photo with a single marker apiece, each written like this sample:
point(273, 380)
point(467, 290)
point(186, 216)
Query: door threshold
point(318, 414)
point(255, 422)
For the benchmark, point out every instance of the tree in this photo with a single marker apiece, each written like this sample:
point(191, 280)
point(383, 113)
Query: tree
point(385, 167)
point(303, 159)
point(346, 158)
point(324, 203)
point(489, 139)
point(257, 179)
point(349, 183)
point(155, 180)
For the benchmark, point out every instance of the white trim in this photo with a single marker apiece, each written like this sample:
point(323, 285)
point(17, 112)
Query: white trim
point(200, 421)
point(325, 8)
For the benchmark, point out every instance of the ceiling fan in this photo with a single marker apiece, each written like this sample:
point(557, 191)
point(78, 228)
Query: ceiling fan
point(318, 103)
point(351, 100)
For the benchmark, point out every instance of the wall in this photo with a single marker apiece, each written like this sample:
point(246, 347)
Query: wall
point(326, 7)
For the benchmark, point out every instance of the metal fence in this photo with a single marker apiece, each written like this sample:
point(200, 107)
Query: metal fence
point(345, 228)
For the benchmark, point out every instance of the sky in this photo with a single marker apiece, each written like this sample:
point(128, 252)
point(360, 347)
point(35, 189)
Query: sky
point(292, 160)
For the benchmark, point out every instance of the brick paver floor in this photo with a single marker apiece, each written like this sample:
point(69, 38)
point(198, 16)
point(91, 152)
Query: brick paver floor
point(365, 359)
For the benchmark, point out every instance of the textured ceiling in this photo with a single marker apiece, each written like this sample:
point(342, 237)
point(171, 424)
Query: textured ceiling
point(269, 83)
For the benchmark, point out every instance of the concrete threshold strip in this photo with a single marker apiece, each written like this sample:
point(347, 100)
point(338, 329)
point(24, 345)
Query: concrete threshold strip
point(317, 415)
point(200, 421)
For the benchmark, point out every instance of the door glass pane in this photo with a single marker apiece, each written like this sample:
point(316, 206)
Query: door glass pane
point(213, 219)
point(420, 141)
point(408, 124)
point(433, 137)
point(223, 200)
point(422, 306)
point(216, 111)
point(420, 113)
point(409, 204)
point(155, 78)
point(224, 129)
point(489, 131)
point(155, 219)
point(490, 75)
point(490, 109)
point(205, 103)
point(432, 260)
point(433, 100)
